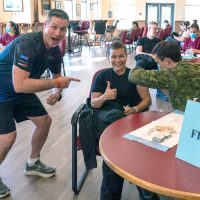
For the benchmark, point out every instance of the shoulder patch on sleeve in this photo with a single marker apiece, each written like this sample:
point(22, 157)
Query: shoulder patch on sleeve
point(23, 60)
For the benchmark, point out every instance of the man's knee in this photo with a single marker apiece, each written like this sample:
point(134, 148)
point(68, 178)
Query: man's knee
point(8, 139)
point(6, 142)
point(45, 123)
point(47, 120)
point(42, 122)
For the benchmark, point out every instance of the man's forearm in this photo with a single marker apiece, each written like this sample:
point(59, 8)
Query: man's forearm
point(98, 102)
point(29, 85)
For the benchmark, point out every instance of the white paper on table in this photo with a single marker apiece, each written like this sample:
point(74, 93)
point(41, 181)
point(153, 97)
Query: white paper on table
point(173, 119)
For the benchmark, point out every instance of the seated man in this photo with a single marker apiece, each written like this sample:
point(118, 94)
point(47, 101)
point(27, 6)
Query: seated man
point(112, 98)
point(181, 79)
point(144, 57)
point(146, 44)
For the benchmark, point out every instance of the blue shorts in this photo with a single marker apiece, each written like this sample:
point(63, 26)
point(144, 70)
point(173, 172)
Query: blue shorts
point(18, 110)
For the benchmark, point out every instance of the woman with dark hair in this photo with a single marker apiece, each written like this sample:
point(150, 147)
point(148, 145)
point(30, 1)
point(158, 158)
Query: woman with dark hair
point(134, 26)
point(12, 32)
point(167, 24)
point(180, 37)
point(193, 42)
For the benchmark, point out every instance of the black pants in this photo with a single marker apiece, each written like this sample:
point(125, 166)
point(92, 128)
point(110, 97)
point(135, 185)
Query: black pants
point(112, 184)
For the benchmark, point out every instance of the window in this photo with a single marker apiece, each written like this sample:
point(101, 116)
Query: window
point(125, 20)
point(192, 7)
point(95, 9)
point(69, 8)
point(83, 9)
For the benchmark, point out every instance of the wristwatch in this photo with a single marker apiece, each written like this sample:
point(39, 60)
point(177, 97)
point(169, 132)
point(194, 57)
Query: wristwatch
point(60, 96)
point(135, 109)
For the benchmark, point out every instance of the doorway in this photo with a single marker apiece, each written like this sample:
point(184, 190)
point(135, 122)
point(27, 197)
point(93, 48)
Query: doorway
point(159, 12)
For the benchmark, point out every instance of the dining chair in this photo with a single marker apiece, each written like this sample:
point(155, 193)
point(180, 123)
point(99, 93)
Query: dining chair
point(77, 182)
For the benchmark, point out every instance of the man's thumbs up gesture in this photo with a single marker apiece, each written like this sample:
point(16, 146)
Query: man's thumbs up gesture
point(110, 93)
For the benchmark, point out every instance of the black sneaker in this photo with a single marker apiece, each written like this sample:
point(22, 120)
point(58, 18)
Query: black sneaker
point(4, 190)
point(40, 169)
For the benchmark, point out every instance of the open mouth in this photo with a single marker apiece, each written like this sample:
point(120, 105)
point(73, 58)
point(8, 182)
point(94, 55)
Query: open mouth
point(55, 40)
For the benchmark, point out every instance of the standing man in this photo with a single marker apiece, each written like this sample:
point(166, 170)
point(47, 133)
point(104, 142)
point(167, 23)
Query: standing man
point(22, 63)
point(181, 79)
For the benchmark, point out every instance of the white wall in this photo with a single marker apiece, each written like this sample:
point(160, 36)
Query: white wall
point(19, 17)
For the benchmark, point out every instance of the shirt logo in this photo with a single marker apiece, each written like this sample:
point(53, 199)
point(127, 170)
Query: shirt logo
point(51, 57)
point(23, 57)
point(23, 60)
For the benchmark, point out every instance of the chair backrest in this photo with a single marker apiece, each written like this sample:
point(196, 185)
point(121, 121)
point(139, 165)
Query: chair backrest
point(112, 28)
point(145, 31)
point(100, 26)
point(167, 32)
point(133, 35)
point(94, 77)
point(160, 34)
point(141, 32)
point(75, 25)
point(123, 36)
point(85, 25)
point(137, 34)
point(62, 46)
point(115, 24)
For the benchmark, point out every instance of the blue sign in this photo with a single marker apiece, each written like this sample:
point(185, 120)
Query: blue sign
point(188, 148)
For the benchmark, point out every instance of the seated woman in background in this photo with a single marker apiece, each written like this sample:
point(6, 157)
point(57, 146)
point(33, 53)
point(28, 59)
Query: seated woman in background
point(134, 26)
point(182, 36)
point(166, 24)
point(193, 42)
point(12, 32)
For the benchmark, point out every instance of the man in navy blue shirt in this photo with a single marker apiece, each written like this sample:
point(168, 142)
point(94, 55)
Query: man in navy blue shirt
point(22, 63)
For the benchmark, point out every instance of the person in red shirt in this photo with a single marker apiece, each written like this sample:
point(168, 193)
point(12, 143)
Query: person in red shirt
point(12, 32)
point(193, 42)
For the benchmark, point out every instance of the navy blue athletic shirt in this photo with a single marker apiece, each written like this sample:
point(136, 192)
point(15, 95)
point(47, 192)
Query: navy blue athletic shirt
point(28, 52)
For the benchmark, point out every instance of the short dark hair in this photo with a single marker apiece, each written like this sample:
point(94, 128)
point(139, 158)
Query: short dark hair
point(194, 25)
point(57, 13)
point(117, 44)
point(168, 49)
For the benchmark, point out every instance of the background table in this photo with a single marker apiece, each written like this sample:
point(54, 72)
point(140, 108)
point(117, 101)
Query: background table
point(147, 167)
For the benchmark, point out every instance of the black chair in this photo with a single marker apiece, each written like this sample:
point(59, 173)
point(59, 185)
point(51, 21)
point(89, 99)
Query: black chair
point(99, 30)
point(81, 33)
point(110, 29)
point(77, 182)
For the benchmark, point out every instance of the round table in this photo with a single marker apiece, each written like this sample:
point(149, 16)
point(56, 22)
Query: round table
point(145, 166)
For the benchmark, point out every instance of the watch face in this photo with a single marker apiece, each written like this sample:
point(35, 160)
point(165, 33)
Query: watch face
point(60, 97)
point(135, 109)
